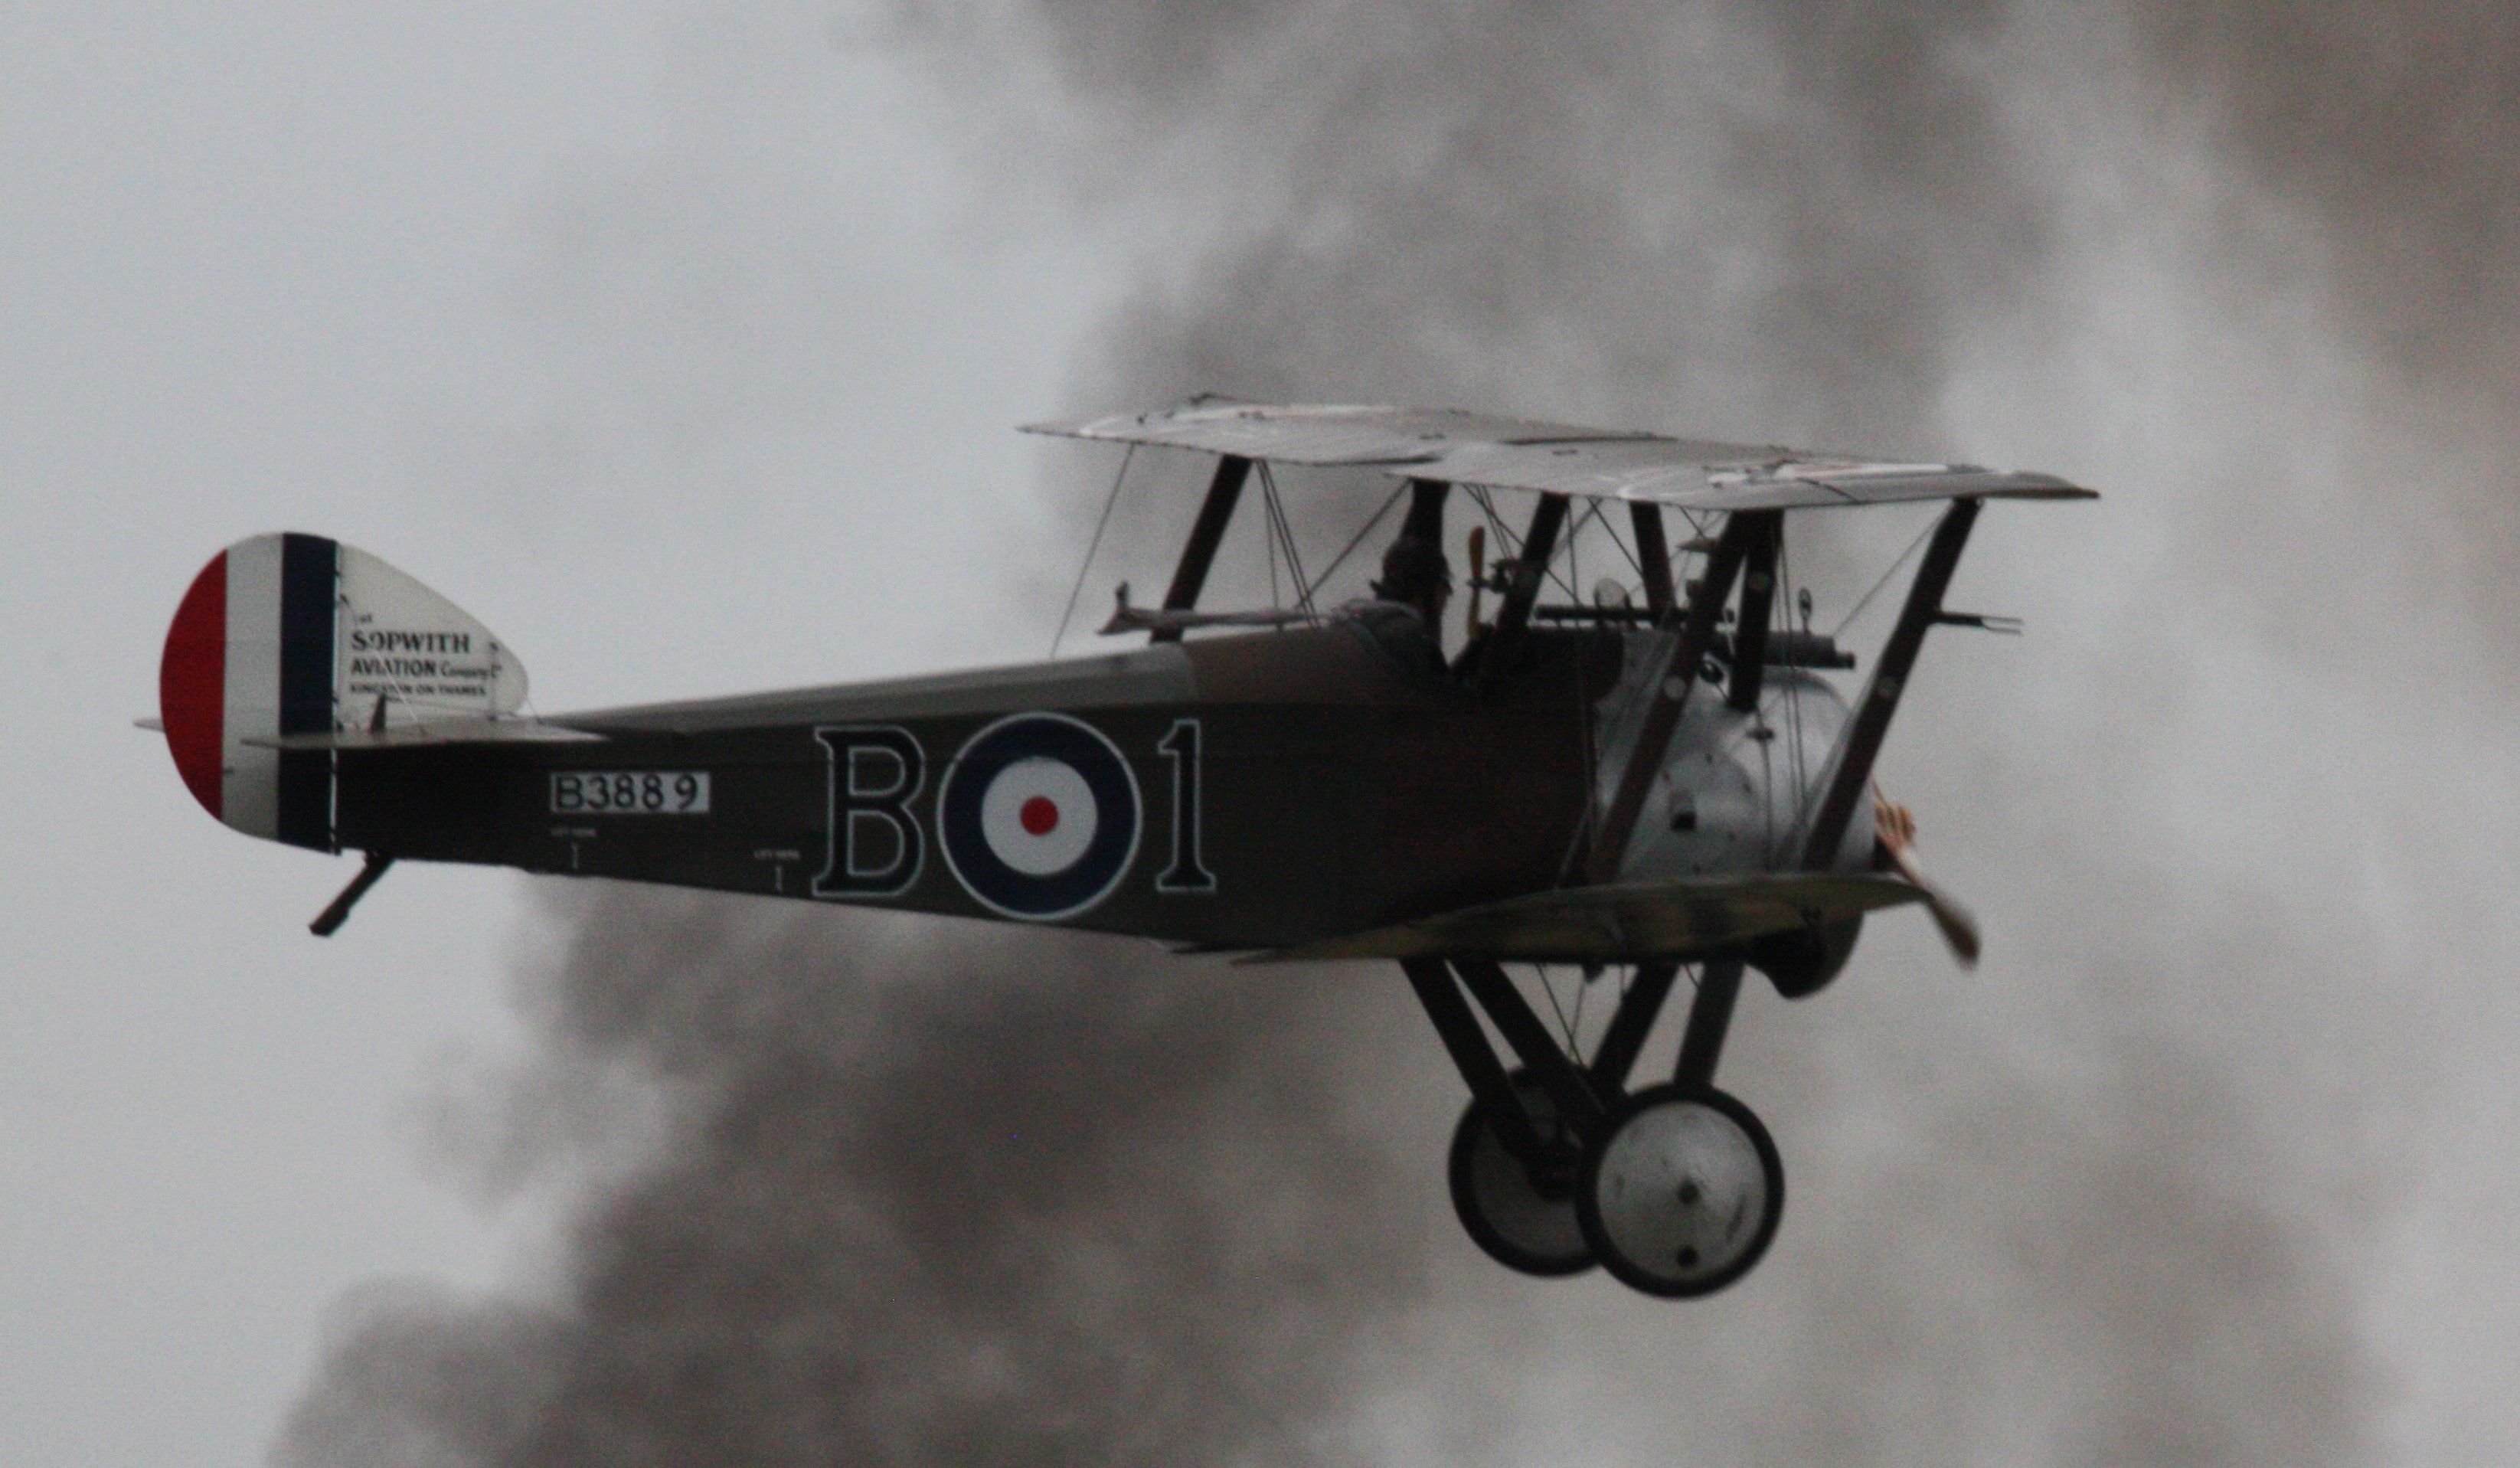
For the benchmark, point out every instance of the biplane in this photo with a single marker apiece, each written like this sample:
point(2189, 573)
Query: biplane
point(1663, 777)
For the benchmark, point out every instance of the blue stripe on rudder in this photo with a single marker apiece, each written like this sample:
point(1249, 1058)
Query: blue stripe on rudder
point(308, 580)
point(307, 575)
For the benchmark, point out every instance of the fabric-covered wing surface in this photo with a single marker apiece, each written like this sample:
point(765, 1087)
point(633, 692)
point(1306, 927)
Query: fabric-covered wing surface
point(1505, 453)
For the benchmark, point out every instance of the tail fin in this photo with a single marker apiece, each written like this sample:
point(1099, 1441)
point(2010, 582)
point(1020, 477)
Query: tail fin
point(297, 633)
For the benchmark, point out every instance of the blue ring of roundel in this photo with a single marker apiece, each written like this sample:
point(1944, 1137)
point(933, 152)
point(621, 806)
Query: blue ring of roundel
point(1059, 894)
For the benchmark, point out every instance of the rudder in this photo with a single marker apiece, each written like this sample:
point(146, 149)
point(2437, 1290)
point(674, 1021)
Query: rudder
point(295, 634)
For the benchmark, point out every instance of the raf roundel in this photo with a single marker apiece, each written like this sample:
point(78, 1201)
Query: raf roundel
point(1039, 817)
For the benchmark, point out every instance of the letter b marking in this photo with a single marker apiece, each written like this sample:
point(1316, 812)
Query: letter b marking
point(874, 845)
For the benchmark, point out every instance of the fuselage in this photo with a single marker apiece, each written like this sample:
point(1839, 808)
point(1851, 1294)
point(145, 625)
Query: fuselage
point(1237, 792)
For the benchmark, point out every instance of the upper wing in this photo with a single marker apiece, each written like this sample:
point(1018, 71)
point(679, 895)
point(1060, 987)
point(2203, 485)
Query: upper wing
point(1623, 924)
point(1506, 453)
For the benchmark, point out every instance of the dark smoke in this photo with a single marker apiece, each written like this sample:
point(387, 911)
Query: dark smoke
point(1551, 208)
point(924, 1197)
point(2398, 129)
point(933, 1194)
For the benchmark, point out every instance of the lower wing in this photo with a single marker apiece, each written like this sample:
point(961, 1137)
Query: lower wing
point(1622, 923)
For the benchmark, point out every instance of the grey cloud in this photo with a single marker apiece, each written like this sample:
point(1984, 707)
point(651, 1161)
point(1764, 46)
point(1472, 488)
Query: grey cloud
point(1194, 1242)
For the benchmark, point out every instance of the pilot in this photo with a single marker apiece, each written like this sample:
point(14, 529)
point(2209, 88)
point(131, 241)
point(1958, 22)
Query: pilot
point(1405, 620)
point(1415, 574)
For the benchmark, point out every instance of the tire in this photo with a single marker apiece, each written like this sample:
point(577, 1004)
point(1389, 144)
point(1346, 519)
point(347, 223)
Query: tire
point(1680, 1191)
point(1527, 1228)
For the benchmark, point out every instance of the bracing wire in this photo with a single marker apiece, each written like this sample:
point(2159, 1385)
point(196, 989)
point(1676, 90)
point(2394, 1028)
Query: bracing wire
point(1510, 544)
point(1295, 558)
point(1357, 539)
point(1621, 543)
point(1857, 609)
point(1270, 543)
point(1286, 534)
point(1508, 540)
point(1766, 782)
point(1574, 531)
point(1093, 545)
point(1565, 1026)
point(1574, 582)
point(1618, 718)
point(1782, 612)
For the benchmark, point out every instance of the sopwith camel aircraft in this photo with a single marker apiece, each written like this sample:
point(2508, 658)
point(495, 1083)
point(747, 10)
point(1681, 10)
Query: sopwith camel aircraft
point(1663, 777)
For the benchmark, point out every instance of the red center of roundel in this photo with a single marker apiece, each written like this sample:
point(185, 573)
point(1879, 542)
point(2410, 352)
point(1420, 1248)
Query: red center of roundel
point(1039, 814)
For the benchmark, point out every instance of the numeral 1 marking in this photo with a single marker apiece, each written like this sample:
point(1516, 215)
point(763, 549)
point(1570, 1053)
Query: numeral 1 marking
point(1187, 872)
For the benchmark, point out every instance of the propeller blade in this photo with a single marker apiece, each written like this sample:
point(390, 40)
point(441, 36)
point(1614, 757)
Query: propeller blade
point(1958, 924)
point(1897, 829)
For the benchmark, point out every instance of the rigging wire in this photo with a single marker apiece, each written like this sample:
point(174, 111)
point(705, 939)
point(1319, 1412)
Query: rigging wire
point(1782, 612)
point(1357, 539)
point(1286, 534)
point(1270, 542)
point(1294, 559)
point(1510, 544)
point(1767, 776)
point(1574, 578)
point(1541, 972)
point(1617, 718)
point(1634, 564)
point(1592, 510)
point(1099, 525)
point(1857, 609)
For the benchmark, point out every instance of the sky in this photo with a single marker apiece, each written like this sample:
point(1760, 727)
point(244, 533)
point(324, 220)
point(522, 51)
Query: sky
point(682, 344)
point(299, 269)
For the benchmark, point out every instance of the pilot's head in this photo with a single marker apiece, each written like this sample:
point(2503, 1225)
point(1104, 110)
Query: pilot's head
point(1415, 572)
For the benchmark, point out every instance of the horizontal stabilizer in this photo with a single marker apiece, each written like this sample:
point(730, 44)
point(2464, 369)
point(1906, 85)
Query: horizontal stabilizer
point(441, 732)
point(1629, 923)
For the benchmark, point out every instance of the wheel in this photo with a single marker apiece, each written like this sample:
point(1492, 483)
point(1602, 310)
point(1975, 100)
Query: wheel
point(1680, 1191)
point(1524, 1225)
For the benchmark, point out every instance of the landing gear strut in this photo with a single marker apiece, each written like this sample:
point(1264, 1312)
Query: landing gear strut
point(1675, 1189)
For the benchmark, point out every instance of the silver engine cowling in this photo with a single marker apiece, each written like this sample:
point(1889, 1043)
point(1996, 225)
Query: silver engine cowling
point(1736, 793)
